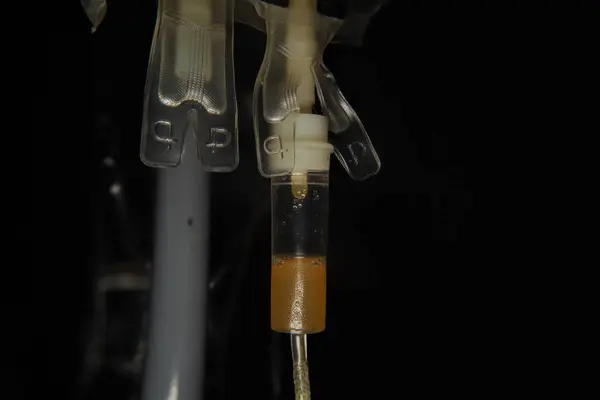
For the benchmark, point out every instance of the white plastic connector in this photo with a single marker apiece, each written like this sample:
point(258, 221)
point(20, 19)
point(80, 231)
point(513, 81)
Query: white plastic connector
point(312, 151)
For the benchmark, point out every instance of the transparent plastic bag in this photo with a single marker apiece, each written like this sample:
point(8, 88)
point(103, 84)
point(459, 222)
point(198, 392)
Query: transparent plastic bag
point(293, 68)
point(190, 89)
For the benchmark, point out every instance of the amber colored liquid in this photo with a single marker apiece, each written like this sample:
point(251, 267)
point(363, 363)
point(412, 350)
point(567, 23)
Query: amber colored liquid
point(298, 289)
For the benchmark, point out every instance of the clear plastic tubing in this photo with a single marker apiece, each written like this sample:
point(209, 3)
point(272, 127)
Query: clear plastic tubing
point(300, 205)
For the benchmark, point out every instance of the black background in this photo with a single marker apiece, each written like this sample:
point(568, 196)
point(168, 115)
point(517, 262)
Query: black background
point(409, 270)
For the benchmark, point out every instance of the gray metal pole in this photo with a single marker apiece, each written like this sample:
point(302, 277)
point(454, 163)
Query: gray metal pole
point(175, 363)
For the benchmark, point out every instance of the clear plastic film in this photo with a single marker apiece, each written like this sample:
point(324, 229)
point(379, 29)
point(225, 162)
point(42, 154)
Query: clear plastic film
point(95, 11)
point(292, 71)
point(190, 90)
point(350, 31)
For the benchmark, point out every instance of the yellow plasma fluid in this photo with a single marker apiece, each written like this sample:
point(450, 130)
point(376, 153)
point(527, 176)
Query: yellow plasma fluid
point(298, 290)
